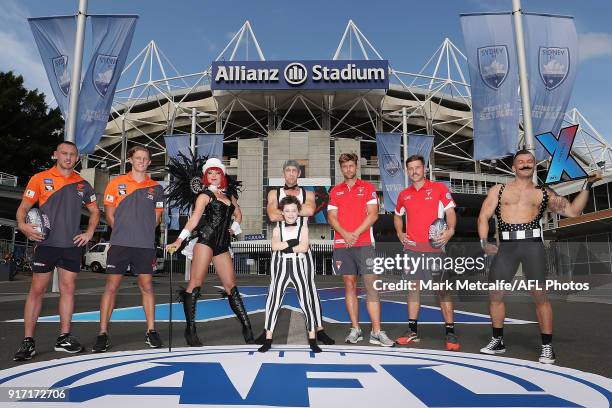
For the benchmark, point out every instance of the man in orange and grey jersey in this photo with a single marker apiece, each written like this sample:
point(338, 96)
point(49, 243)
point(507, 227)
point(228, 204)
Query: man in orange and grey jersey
point(133, 204)
point(60, 193)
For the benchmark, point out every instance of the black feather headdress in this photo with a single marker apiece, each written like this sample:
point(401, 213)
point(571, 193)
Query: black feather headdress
point(186, 181)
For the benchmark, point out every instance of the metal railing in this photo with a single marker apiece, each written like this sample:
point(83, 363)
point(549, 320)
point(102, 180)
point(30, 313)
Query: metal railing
point(254, 257)
point(8, 179)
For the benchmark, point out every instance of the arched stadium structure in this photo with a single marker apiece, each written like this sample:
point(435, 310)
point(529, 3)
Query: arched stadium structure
point(262, 128)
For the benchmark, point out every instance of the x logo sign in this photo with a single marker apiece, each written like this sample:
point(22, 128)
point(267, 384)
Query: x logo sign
point(560, 149)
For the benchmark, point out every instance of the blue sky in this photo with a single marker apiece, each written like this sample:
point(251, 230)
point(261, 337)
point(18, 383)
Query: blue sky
point(192, 33)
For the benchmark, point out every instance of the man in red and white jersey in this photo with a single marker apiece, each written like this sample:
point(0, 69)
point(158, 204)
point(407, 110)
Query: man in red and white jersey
point(422, 203)
point(352, 211)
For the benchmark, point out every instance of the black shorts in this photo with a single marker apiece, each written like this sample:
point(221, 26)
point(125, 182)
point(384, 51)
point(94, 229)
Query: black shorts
point(142, 260)
point(530, 253)
point(47, 257)
point(354, 260)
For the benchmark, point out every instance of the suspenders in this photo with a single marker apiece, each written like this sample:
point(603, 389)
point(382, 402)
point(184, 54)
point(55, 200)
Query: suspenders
point(280, 227)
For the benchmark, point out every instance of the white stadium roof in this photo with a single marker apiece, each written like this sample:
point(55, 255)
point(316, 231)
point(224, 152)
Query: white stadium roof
point(437, 99)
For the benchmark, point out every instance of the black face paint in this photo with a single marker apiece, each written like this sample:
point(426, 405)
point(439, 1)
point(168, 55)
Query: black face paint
point(526, 168)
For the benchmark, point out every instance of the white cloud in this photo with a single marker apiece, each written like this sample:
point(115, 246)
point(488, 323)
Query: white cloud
point(19, 52)
point(594, 45)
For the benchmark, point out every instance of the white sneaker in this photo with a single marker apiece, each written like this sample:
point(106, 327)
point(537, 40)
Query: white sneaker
point(354, 336)
point(381, 339)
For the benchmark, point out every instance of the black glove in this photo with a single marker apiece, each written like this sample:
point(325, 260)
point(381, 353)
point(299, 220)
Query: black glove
point(288, 250)
point(293, 242)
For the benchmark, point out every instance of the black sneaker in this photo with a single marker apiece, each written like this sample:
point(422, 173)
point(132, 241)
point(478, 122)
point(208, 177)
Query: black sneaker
point(26, 351)
point(548, 354)
point(495, 346)
point(153, 340)
point(67, 343)
point(102, 343)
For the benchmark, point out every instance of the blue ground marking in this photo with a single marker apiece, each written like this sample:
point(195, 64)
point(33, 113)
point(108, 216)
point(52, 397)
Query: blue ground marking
point(254, 297)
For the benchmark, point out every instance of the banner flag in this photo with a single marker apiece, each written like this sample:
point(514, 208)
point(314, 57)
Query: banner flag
point(54, 38)
point(388, 146)
point(491, 55)
point(210, 145)
point(421, 145)
point(112, 37)
point(551, 48)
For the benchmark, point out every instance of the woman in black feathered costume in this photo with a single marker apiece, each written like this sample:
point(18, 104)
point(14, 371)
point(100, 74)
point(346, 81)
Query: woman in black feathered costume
point(203, 184)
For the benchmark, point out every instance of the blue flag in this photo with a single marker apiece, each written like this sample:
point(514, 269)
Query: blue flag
point(112, 37)
point(54, 37)
point(491, 55)
point(388, 146)
point(421, 145)
point(210, 145)
point(207, 145)
point(551, 48)
point(176, 144)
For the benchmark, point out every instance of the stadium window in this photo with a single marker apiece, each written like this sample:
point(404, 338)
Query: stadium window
point(600, 194)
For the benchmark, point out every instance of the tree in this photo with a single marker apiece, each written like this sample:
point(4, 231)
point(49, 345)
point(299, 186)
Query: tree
point(29, 129)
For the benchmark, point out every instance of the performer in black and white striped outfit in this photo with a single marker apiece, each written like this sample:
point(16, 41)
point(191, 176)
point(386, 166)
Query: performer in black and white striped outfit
point(291, 173)
point(290, 265)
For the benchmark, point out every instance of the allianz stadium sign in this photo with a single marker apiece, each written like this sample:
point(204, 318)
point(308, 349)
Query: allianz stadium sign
point(290, 376)
point(303, 75)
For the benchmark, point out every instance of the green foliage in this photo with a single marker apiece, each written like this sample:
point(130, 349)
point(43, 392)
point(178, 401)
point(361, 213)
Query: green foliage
point(29, 130)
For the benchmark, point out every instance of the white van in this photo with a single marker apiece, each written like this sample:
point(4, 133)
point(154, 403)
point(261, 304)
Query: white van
point(95, 258)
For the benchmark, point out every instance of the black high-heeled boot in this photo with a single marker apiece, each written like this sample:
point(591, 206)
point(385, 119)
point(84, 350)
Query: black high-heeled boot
point(235, 301)
point(190, 301)
point(261, 338)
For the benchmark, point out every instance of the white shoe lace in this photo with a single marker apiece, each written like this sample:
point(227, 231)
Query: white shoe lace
point(547, 351)
point(493, 343)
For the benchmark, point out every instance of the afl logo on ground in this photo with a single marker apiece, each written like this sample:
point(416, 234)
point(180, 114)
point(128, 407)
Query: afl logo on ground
point(290, 376)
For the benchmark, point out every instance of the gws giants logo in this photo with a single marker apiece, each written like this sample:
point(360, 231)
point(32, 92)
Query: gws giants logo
point(493, 65)
point(290, 376)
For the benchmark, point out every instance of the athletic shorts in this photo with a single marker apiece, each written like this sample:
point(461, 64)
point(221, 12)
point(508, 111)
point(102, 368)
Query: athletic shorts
point(425, 266)
point(354, 260)
point(143, 260)
point(47, 257)
point(530, 253)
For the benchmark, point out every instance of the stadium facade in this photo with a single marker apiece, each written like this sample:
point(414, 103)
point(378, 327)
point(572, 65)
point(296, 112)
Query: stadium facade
point(262, 127)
